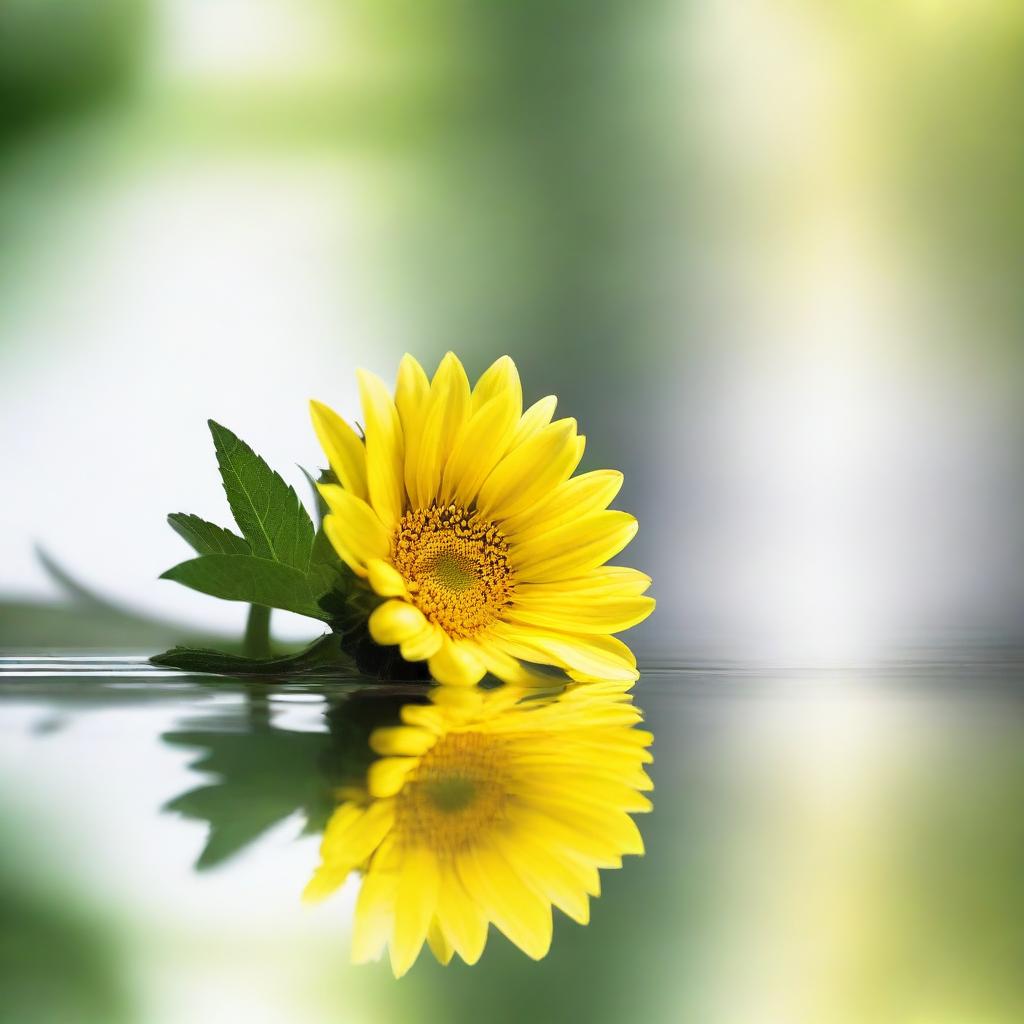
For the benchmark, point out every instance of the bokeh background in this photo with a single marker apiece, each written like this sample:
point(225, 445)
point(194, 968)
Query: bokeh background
point(768, 252)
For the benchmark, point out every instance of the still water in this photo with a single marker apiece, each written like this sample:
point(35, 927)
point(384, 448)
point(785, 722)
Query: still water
point(823, 847)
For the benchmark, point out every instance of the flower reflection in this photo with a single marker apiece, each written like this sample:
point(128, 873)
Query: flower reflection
point(487, 807)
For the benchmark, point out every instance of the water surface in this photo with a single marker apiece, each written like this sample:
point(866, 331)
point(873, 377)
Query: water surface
point(825, 846)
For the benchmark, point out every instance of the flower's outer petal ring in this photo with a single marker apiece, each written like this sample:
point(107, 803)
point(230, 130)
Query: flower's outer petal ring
point(385, 579)
point(529, 472)
point(574, 548)
point(353, 528)
point(608, 616)
point(385, 450)
point(536, 418)
point(457, 663)
point(394, 621)
point(568, 502)
point(345, 452)
point(424, 644)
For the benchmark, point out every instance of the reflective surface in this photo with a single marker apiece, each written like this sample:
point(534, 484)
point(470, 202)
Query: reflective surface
point(825, 847)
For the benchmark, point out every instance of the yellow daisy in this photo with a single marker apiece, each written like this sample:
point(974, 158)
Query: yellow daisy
point(461, 512)
point(488, 808)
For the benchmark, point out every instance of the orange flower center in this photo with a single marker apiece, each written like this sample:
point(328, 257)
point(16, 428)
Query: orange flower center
point(456, 793)
point(456, 565)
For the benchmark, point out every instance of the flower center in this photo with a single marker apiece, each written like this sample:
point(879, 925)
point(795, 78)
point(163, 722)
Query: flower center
point(456, 565)
point(457, 792)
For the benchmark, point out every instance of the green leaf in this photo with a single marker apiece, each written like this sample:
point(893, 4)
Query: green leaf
point(324, 652)
point(262, 775)
point(206, 538)
point(267, 510)
point(251, 579)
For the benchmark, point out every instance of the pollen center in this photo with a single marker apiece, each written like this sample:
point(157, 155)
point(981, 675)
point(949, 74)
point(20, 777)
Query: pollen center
point(458, 791)
point(456, 565)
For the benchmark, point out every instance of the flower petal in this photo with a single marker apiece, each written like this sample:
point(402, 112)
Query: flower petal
point(375, 910)
point(588, 655)
point(500, 378)
point(345, 452)
point(385, 579)
point(401, 740)
point(412, 389)
point(607, 616)
point(457, 663)
point(444, 414)
point(516, 910)
point(576, 497)
point(464, 923)
point(536, 418)
point(439, 944)
point(527, 473)
point(573, 548)
point(415, 902)
point(482, 441)
point(385, 450)
point(386, 776)
point(395, 621)
point(603, 581)
point(424, 644)
point(353, 528)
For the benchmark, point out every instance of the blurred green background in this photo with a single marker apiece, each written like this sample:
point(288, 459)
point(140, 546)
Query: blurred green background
point(768, 253)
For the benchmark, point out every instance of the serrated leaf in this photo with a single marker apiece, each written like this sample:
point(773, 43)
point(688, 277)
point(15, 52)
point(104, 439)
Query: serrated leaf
point(267, 510)
point(251, 579)
point(207, 538)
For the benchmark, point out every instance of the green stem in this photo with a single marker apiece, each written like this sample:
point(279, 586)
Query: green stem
point(257, 633)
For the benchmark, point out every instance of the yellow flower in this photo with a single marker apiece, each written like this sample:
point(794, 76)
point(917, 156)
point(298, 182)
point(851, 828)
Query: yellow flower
point(487, 807)
point(461, 512)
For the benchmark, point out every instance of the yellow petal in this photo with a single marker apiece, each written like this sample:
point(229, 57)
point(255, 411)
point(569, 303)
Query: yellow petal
point(500, 378)
point(510, 670)
point(573, 548)
point(605, 581)
point(550, 877)
point(516, 910)
point(349, 839)
point(569, 501)
point(582, 654)
point(444, 414)
point(374, 916)
point(424, 644)
point(529, 472)
point(425, 716)
point(482, 441)
point(457, 663)
point(395, 621)
point(353, 529)
point(607, 616)
point(385, 579)
point(343, 447)
point(462, 919)
point(385, 450)
point(386, 776)
point(439, 944)
point(536, 418)
point(401, 740)
point(588, 845)
point(412, 390)
point(415, 903)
